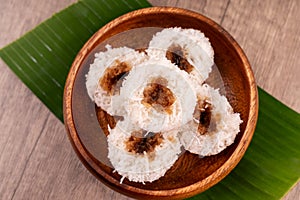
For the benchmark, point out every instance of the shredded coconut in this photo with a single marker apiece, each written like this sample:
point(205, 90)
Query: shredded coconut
point(162, 96)
point(149, 118)
point(223, 128)
point(197, 48)
point(146, 167)
point(103, 60)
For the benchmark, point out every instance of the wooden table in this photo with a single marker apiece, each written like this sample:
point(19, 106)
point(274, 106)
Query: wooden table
point(37, 160)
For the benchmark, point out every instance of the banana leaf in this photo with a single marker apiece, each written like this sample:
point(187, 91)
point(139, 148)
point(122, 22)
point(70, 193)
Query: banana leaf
point(43, 56)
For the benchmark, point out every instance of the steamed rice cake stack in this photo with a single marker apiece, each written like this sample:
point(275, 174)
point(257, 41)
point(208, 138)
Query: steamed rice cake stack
point(163, 102)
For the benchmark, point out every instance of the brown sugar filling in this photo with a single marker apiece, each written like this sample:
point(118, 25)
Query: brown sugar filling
point(203, 114)
point(109, 81)
point(140, 144)
point(158, 96)
point(177, 56)
point(105, 119)
point(142, 50)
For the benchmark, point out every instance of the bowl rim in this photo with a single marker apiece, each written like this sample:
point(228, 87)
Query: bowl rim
point(200, 186)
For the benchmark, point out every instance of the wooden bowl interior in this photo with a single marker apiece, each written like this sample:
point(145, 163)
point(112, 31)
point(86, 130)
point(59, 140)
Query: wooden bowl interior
point(189, 168)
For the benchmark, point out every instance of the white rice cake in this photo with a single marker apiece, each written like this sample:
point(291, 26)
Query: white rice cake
point(192, 44)
point(222, 128)
point(138, 165)
point(148, 117)
point(105, 61)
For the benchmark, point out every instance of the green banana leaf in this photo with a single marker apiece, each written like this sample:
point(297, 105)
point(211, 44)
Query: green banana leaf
point(42, 58)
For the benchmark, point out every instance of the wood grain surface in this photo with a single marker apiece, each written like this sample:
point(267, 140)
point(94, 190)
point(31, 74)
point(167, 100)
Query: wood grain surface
point(36, 158)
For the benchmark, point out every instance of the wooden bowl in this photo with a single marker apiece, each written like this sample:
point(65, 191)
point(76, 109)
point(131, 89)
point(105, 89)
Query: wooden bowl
point(190, 175)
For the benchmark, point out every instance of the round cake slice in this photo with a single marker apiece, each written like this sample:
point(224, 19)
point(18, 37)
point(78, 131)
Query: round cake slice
point(188, 49)
point(139, 155)
point(105, 76)
point(158, 96)
point(214, 126)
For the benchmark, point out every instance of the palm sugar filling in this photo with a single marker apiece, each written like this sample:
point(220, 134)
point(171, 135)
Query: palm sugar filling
point(203, 114)
point(177, 56)
point(157, 95)
point(141, 141)
point(113, 76)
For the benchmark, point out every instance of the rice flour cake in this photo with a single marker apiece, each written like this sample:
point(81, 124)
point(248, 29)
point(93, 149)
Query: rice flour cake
point(105, 75)
point(189, 49)
point(142, 156)
point(158, 96)
point(162, 103)
point(214, 126)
